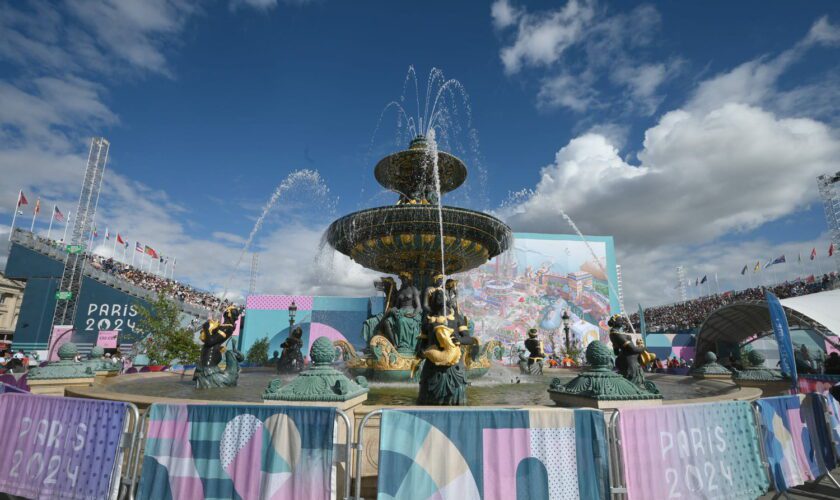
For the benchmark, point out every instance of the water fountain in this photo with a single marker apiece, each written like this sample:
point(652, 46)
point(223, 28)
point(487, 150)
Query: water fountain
point(420, 236)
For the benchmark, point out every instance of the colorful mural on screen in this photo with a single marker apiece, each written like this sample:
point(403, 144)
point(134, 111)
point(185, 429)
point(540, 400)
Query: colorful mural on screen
point(532, 285)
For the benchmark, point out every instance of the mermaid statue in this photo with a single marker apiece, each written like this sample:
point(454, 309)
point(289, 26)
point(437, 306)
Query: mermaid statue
point(443, 378)
point(628, 355)
point(291, 359)
point(213, 337)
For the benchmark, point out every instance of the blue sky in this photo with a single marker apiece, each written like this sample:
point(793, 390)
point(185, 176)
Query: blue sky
point(692, 132)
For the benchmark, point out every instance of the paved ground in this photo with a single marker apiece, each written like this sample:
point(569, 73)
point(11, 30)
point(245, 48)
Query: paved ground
point(824, 490)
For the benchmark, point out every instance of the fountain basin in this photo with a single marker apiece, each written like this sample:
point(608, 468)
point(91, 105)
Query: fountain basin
point(396, 238)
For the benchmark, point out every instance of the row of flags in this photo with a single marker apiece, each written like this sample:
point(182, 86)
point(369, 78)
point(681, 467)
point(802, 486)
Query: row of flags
point(781, 260)
point(57, 215)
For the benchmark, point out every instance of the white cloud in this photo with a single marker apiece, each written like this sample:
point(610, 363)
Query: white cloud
point(582, 49)
point(541, 40)
point(503, 14)
point(725, 162)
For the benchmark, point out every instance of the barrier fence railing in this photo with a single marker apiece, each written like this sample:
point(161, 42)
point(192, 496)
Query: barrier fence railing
point(343, 446)
point(47, 425)
point(349, 448)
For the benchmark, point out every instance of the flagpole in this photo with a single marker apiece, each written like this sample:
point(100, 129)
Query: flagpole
point(172, 271)
point(66, 225)
point(114, 251)
point(133, 254)
point(14, 214)
point(34, 215)
point(49, 229)
point(819, 267)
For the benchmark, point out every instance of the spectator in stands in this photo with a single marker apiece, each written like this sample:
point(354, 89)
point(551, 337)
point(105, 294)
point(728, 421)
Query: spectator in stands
point(149, 281)
point(804, 363)
point(692, 313)
point(832, 364)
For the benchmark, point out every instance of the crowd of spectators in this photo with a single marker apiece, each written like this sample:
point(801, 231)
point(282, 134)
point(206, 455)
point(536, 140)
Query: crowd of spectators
point(147, 280)
point(156, 283)
point(692, 313)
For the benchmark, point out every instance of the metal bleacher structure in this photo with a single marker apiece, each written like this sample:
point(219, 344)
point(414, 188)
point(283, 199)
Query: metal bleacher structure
point(54, 251)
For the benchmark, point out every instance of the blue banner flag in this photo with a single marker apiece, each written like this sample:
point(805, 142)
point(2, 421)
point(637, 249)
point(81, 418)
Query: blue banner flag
point(780, 328)
point(642, 325)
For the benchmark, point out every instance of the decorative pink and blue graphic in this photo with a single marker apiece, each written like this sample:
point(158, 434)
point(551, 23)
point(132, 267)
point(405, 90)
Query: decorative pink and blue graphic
point(245, 452)
point(493, 455)
point(787, 442)
point(63, 448)
point(692, 451)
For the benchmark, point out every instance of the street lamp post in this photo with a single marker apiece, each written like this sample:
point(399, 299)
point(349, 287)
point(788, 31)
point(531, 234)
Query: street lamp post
point(566, 327)
point(292, 312)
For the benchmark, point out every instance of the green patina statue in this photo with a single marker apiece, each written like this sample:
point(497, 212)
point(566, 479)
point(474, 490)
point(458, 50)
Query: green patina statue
point(628, 355)
point(443, 378)
point(291, 359)
point(402, 321)
point(214, 335)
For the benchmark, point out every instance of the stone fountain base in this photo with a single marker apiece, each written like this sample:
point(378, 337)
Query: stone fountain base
point(386, 364)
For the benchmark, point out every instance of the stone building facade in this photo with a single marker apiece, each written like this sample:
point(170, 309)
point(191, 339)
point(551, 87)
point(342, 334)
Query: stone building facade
point(11, 296)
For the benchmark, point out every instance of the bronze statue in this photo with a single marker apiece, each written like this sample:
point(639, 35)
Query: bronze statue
point(213, 337)
point(402, 322)
point(536, 353)
point(443, 379)
point(291, 359)
point(628, 355)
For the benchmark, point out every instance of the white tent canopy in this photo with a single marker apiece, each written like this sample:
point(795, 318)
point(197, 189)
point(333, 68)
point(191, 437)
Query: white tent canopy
point(738, 322)
point(823, 307)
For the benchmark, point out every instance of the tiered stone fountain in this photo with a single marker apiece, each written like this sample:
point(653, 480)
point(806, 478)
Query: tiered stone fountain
point(405, 240)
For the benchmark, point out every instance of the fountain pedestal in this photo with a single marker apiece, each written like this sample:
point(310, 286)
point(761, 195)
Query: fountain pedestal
point(599, 386)
point(53, 378)
point(711, 369)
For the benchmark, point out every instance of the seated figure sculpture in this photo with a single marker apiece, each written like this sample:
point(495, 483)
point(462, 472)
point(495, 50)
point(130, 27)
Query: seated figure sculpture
point(291, 359)
point(629, 355)
point(401, 323)
point(443, 379)
point(536, 353)
point(213, 337)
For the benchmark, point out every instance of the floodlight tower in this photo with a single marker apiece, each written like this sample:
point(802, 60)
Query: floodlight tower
point(681, 283)
point(74, 263)
point(255, 262)
point(620, 288)
point(829, 186)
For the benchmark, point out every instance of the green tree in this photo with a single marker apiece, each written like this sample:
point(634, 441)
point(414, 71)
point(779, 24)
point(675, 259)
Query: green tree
point(258, 352)
point(166, 339)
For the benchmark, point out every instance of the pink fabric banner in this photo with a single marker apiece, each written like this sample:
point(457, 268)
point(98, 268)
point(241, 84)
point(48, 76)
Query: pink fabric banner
point(699, 451)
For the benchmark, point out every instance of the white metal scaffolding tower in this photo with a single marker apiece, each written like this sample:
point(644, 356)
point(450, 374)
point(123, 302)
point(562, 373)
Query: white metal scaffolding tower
point(67, 294)
point(829, 186)
point(682, 284)
point(255, 263)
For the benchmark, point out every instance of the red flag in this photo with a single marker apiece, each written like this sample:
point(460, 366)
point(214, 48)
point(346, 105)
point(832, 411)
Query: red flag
point(831, 250)
point(38, 206)
point(22, 199)
point(813, 253)
point(151, 251)
point(810, 279)
point(120, 240)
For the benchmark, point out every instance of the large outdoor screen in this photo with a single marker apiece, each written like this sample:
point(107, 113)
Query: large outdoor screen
point(531, 285)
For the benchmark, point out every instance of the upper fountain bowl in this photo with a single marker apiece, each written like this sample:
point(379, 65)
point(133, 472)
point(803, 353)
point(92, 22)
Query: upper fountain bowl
point(407, 237)
point(409, 173)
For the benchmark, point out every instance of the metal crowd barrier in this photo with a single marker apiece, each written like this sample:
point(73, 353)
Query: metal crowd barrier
point(131, 483)
point(130, 440)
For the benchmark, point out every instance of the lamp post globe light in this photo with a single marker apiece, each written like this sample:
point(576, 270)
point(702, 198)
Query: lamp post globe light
point(292, 312)
point(566, 326)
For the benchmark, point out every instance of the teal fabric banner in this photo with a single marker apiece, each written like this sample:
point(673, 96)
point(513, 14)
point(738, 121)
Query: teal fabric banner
point(493, 455)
